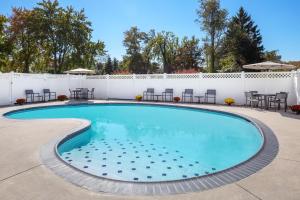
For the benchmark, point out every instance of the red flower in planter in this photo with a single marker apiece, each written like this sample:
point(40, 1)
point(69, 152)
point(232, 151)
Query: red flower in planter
point(176, 99)
point(62, 97)
point(296, 108)
point(20, 101)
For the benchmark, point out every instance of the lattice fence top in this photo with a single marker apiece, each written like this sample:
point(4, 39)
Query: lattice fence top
point(250, 75)
point(269, 75)
point(182, 76)
point(222, 75)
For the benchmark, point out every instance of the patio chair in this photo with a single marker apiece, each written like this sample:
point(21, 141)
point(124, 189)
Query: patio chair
point(253, 99)
point(210, 94)
point(84, 93)
point(91, 93)
point(148, 93)
point(280, 98)
point(31, 95)
point(167, 93)
point(188, 93)
point(72, 94)
point(49, 94)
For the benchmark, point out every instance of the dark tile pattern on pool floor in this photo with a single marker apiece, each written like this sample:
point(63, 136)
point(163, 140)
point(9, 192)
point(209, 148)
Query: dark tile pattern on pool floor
point(165, 164)
point(209, 181)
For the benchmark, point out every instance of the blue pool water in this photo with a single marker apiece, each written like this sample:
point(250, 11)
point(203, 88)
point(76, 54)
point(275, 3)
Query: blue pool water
point(152, 143)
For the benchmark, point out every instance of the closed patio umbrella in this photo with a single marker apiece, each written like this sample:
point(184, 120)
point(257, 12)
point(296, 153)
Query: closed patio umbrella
point(269, 66)
point(80, 71)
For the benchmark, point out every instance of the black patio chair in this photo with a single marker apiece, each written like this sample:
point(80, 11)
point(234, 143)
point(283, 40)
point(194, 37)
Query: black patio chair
point(188, 93)
point(49, 94)
point(72, 94)
point(148, 93)
point(250, 98)
point(91, 93)
point(280, 98)
point(210, 94)
point(32, 95)
point(167, 93)
point(84, 93)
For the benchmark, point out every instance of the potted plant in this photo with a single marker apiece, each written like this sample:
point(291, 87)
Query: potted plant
point(138, 97)
point(296, 109)
point(176, 99)
point(62, 97)
point(229, 101)
point(20, 101)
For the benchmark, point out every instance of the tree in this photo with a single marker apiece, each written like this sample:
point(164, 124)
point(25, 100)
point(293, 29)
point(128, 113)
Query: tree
point(213, 21)
point(5, 45)
point(189, 54)
point(243, 40)
point(22, 33)
point(272, 56)
point(108, 66)
point(134, 44)
point(165, 45)
point(115, 64)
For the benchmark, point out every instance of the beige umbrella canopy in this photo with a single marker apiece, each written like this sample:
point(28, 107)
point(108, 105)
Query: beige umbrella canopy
point(269, 66)
point(80, 71)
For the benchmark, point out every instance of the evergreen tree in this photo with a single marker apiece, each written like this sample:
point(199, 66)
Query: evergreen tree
point(115, 64)
point(108, 66)
point(243, 42)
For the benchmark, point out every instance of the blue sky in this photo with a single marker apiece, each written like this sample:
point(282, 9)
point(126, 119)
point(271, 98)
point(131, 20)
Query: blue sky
point(278, 20)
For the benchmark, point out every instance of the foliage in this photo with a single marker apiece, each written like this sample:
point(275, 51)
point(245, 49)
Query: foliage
point(20, 101)
point(138, 97)
point(48, 38)
point(229, 101)
point(187, 71)
point(189, 54)
point(296, 63)
point(121, 72)
point(5, 45)
point(242, 43)
point(108, 66)
point(296, 109)
point(62, 97)
point(272, 56)
point(229, 64)
point(213, 20)
point(176, 99)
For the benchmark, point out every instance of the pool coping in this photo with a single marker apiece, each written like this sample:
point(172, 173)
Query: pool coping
point(94, 183)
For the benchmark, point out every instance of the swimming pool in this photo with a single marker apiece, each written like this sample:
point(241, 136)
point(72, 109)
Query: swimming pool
point(147, 143)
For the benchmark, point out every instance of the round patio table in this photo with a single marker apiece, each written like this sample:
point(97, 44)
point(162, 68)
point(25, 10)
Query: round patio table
point(266, 98)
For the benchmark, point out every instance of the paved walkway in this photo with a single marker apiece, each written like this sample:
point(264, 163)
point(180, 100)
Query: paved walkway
point(22, 176)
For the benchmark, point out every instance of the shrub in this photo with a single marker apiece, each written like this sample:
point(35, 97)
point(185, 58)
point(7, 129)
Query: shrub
point(138, 97)
point(176, 99)
point(296, 109)
point(229, 101)
point(20, 101)
point(62, 97)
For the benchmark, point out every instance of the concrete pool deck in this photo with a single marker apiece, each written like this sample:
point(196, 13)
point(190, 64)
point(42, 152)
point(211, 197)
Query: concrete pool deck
point(23, 176)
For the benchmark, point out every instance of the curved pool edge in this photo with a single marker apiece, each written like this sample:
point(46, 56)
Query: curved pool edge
point(262, 158)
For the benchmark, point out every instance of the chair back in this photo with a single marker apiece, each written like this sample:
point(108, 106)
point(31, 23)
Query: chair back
point(281, 95)
point(46, 90)
point(169, 90)
point(150, 90)
point(84, 90)
point(248, 94)
point(93, 89)
point(188, 91)
point(211, 92)
point(28, 91)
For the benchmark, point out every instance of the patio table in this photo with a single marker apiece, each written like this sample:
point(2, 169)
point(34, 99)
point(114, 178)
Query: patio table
point(266, 98)
point(76, 93)
point(156, 96)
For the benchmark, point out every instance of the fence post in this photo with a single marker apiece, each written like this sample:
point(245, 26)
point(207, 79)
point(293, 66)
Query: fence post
point(11, 86)
point(297, 85)
point(243, 80)
point(107, 86)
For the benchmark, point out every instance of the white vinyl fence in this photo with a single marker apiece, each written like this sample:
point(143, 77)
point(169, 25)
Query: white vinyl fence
point(13, 85)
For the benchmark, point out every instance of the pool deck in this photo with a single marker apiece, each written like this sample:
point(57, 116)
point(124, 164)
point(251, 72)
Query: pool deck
point(23, 176)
